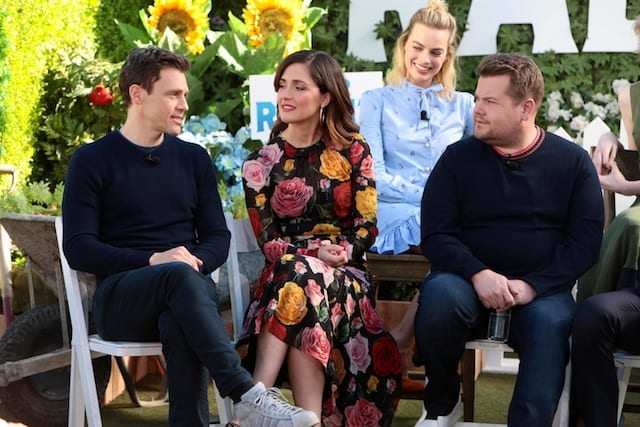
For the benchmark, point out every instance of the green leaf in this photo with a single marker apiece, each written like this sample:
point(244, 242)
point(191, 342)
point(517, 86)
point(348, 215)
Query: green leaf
point(313, 16)
point(223, 108)
point(132, 34)
point(203, 61)
point(173, 42)
point(237, 26)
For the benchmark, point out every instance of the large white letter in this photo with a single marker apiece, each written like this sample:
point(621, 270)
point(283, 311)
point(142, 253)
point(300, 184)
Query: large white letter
point(364, 15)
point(609, 29)
point(549, 18)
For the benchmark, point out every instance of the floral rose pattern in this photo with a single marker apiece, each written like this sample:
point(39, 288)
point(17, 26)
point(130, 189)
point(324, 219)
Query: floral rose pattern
point(296, 198)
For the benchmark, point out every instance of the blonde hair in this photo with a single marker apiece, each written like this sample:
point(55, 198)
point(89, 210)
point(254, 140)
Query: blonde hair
point(435, 15)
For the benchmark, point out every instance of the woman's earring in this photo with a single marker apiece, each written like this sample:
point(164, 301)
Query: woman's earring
point(322, 115)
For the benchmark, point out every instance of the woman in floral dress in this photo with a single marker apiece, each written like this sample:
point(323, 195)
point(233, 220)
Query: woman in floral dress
point(311, 198)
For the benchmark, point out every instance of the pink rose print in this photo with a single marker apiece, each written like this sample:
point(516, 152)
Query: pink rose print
point(350, 305)
point(358, 354)
point(290, 197)
point(336, 315)
point(355, 152)
point(300, 267)
point(366, 168)
point(256, 174)
point(314, 292)
point(372, 321)
point(274, 249)
point(270, 154)
point(316, 344)
point(363, 413)
point(325, 184)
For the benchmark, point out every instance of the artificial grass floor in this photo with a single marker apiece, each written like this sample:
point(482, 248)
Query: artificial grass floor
point(493, 392)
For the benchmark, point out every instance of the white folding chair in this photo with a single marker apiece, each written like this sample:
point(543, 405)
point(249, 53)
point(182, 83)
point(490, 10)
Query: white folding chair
point(624, 362)
point(561, 418)
point(83, 397)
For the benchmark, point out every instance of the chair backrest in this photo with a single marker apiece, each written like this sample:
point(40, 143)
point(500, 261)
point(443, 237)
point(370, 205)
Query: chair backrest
point(238, 303)
point(77, 293)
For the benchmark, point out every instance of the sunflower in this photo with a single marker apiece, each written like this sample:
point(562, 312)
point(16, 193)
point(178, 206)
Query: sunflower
point(184, 19)
point(264, 17)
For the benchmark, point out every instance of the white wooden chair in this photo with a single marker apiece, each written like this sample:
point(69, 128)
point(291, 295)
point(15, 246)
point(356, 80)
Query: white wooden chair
point(83, 398)
point(625, 362)
point(561, 418)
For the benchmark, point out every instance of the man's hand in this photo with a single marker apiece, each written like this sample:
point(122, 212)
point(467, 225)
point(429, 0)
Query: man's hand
point(333, 255)
point(179, 254)
point(492, 289)
point(523, 293)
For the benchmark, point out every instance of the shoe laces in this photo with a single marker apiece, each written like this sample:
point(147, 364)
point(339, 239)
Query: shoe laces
point(275, 402)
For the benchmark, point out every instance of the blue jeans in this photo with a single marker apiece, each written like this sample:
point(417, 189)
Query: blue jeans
point(604, 323)
point(178, 306)
point(450, 314)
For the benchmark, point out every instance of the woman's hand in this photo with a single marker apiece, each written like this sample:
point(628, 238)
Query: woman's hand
point(332, 254)
point(615, 181)
point(605, 153)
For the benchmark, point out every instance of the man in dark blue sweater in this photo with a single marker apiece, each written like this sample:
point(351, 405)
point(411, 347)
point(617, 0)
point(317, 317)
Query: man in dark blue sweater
point(511, 217)
point(142, 212)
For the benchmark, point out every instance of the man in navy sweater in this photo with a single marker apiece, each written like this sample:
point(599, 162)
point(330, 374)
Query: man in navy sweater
point(142, 212)
point(511, 217)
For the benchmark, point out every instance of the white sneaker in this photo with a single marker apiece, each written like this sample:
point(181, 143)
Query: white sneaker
point(260, 407)
point(443, 420)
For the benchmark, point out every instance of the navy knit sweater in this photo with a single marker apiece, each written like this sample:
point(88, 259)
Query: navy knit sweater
point(538, 219)
point(120, 207)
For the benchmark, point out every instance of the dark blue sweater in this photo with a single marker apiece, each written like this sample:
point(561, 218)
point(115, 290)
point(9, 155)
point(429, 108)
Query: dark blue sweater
point(119, 207)
point(540, 221)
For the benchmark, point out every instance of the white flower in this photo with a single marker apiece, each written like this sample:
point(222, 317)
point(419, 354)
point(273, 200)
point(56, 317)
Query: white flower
point(576, 100)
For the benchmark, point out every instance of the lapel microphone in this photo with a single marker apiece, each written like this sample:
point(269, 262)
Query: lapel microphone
point(424, 116)
point(152, 159)
point(512, 164)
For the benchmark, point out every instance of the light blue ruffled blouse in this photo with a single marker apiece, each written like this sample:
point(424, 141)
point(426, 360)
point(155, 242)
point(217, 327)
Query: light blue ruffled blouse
point(405, 145)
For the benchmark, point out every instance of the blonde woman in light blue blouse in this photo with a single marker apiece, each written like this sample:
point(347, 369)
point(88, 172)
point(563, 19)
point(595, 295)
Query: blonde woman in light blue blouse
point(408, 124)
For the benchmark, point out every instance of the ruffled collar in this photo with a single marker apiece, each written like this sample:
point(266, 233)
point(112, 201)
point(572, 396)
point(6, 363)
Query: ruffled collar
point(406, 84)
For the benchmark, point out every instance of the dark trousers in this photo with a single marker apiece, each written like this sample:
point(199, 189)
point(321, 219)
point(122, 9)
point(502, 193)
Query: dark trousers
point(450, 314)
point(178, 306)
point(604, 323)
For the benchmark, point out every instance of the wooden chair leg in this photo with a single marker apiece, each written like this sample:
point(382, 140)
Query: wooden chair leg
point(468, 383)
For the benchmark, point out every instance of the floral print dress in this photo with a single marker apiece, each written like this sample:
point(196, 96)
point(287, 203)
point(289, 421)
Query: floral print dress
point(296, 198)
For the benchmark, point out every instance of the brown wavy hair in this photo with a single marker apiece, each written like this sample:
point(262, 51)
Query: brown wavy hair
point(337, 123)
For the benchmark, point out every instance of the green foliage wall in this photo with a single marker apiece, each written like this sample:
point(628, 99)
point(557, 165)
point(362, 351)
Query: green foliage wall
point(35, 31)
point(111, 43)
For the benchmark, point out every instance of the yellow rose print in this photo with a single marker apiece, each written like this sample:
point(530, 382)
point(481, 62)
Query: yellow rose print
point(260, 200)
point(366, 203)
point(334, 165)
point(289, 165)
point(373, 383)
point(292, 304)
point(324, 229)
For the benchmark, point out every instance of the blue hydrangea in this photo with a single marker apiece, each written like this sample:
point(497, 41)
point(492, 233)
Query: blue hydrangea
point(227, 152)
